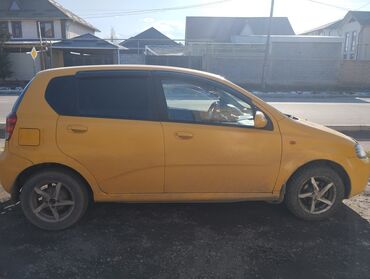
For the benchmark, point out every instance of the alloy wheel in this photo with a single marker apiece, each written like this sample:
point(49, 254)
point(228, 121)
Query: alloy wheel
point(52, 202)
point(317, 195)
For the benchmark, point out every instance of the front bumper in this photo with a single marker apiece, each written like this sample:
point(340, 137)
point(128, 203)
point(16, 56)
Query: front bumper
point(359, 174)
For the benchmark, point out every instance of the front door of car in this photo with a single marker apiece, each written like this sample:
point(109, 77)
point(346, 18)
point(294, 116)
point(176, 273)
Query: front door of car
point(115, 134)
point(211, 145)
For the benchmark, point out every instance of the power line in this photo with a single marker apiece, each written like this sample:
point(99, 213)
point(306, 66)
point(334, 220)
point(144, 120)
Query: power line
point(139, 12)
point(329, 5)
point(363, 6)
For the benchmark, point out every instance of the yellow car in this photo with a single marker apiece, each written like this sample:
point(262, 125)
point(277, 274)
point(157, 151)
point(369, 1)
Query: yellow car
point(163, 134)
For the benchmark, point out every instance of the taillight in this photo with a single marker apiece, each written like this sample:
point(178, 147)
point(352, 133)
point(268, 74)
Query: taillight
point(11, 120)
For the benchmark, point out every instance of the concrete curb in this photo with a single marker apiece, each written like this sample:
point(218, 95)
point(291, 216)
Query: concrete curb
point(16, 93)
point(310, 94)
point(2, 130)
point(351, 128)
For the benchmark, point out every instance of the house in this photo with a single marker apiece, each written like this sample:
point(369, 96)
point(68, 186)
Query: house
point(149, 37)
point(37, 23)
point(25, 20)
point(86, 49)
point(232, 29)
point(354, 28)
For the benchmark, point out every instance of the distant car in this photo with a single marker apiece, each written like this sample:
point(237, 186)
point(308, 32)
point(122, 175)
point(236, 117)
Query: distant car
point(162, 134)
point(19, 88)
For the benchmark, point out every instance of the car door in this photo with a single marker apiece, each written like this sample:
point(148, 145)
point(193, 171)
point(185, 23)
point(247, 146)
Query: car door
point(211, 145)
point(113, 131)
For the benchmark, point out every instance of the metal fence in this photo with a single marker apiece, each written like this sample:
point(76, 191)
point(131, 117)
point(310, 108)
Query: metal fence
point(292, 61)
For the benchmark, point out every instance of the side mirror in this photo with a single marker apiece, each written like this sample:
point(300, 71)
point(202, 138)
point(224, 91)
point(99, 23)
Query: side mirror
point(260, 120)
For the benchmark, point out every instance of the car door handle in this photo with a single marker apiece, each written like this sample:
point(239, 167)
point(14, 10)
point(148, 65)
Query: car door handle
point(77, 128)
point(184, 135)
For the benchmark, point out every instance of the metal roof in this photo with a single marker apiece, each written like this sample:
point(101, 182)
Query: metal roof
point(86, 41)
point(150, 36)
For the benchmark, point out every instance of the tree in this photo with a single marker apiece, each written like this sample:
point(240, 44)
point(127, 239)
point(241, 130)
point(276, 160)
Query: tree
point(5, 71)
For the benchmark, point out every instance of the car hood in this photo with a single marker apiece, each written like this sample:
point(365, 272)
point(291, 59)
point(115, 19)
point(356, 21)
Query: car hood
point(321, 128)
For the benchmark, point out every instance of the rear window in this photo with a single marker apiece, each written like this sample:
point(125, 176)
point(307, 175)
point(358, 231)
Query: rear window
point(20, 98)
point(117, 96)
point(61, 95)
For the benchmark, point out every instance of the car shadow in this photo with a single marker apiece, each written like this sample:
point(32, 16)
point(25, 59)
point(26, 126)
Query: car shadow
point(234, 240)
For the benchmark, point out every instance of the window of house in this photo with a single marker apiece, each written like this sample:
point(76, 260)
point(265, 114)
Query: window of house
point(16, 29)
point(346, 42)
point(354, 41)
point(4, 26)
point(47, 29)
point(194, 102)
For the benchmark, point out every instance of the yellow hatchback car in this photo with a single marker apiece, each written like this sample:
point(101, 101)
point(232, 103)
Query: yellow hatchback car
point(162, 134)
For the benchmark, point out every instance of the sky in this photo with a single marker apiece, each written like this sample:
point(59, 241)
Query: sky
point(112, 14)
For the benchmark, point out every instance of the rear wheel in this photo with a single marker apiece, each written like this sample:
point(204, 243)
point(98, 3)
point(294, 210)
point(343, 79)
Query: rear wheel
point(314, 193)
point(54, 199)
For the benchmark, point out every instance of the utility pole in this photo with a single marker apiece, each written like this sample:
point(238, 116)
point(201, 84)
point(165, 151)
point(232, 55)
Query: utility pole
point(267, 47)
point(41, 47)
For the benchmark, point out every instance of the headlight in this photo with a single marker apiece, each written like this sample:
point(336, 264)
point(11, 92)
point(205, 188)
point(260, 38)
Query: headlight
point(360, 151)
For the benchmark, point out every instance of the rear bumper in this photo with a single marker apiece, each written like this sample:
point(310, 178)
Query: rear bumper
point(10, 167)
point(359, 174)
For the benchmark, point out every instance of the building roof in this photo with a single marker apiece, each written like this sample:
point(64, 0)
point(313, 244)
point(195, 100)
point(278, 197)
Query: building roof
point(38, 9)
point(86, 41)
point(221, 29)
point(363, 17)
point(150, 36)
point(331, 25)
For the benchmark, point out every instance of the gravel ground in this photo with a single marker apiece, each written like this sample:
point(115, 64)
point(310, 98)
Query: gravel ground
point(361, 204)
point(3, 195)
point(240, 240)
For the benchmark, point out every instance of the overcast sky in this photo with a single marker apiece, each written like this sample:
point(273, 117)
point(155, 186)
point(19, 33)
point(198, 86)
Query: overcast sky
point(108, 14)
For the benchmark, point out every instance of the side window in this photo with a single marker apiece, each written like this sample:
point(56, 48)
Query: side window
point(189, 101)
point(61, 95)
point(123, 97)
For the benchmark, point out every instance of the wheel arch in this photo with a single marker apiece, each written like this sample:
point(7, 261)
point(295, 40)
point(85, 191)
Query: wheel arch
point(327, 163)
point(22, 177)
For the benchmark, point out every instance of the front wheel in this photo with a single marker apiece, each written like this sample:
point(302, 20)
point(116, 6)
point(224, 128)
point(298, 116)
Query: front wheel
point(54, 199)
point(314, 193)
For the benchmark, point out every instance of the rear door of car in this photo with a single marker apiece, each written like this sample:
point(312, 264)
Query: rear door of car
point(109, 125)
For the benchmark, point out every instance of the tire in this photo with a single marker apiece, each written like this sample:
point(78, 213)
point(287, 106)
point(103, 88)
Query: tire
point(309, 201)
point(54, 199)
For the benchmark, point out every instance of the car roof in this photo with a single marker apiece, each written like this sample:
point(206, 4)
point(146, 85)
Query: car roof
point(76, 69)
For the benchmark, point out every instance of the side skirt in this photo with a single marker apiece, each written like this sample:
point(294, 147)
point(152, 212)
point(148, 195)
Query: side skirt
point(188, 197)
